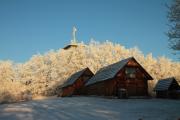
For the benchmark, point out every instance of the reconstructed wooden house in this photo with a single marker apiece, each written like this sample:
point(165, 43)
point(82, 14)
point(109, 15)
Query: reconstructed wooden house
point(75, 83)
point(127, 75)
point(167, 88)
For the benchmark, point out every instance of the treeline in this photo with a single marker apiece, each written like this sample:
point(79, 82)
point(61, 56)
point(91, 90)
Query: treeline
point(42, 74)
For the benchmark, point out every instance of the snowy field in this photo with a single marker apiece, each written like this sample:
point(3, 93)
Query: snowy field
point(92, 108)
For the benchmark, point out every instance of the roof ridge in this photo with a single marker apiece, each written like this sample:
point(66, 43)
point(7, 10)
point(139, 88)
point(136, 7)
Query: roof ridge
point(104, 73)
point(164, 84)
point(74, 77)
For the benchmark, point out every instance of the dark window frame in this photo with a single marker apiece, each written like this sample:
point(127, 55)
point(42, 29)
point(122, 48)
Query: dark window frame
point(130, 72)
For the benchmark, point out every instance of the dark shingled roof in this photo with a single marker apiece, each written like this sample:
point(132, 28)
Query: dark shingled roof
point(69, 46)
point(110, 71)
point(164, 84)
point(74, 77)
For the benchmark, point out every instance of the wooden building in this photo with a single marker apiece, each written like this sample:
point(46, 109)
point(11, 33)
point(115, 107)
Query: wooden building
point(167, 88)
point(73, 46)
point(70, 46)
point(126, 75)
point(75, 83)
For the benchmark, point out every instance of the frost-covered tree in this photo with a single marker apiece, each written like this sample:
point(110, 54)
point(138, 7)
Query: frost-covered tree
point(42, 74)
point(6, 71)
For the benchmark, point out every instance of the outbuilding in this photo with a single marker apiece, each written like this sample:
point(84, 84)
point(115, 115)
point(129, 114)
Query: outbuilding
point(70, 46)
point(124, 79)
point(167, 88)
point(75, 83)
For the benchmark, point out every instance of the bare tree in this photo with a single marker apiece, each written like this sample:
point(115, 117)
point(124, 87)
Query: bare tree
point(174, 23)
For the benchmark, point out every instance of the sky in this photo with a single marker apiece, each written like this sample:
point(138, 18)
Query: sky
point(28, 27)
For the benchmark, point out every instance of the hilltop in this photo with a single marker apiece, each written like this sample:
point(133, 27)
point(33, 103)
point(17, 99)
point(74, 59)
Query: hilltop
point(43, 74)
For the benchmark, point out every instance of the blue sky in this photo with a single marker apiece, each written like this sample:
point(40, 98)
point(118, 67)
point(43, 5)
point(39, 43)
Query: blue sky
point(28, 27)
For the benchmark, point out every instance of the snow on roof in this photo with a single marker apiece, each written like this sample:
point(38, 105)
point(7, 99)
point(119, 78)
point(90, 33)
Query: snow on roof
point(110, 71)
point(74, 77)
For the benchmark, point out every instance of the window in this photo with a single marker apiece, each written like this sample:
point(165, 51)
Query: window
point(130, 72)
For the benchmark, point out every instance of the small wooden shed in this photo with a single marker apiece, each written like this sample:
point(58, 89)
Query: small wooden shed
point(75, 83)
point(167, 88)
point(126, 75)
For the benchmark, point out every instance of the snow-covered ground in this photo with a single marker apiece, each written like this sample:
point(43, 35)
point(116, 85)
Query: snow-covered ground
point(92, 108)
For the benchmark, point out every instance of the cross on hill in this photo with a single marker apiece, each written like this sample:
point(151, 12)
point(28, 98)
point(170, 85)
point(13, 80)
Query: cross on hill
point(74, 41)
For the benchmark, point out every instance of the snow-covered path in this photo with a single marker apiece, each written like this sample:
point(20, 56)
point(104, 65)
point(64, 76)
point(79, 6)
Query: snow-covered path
point(92, 108)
